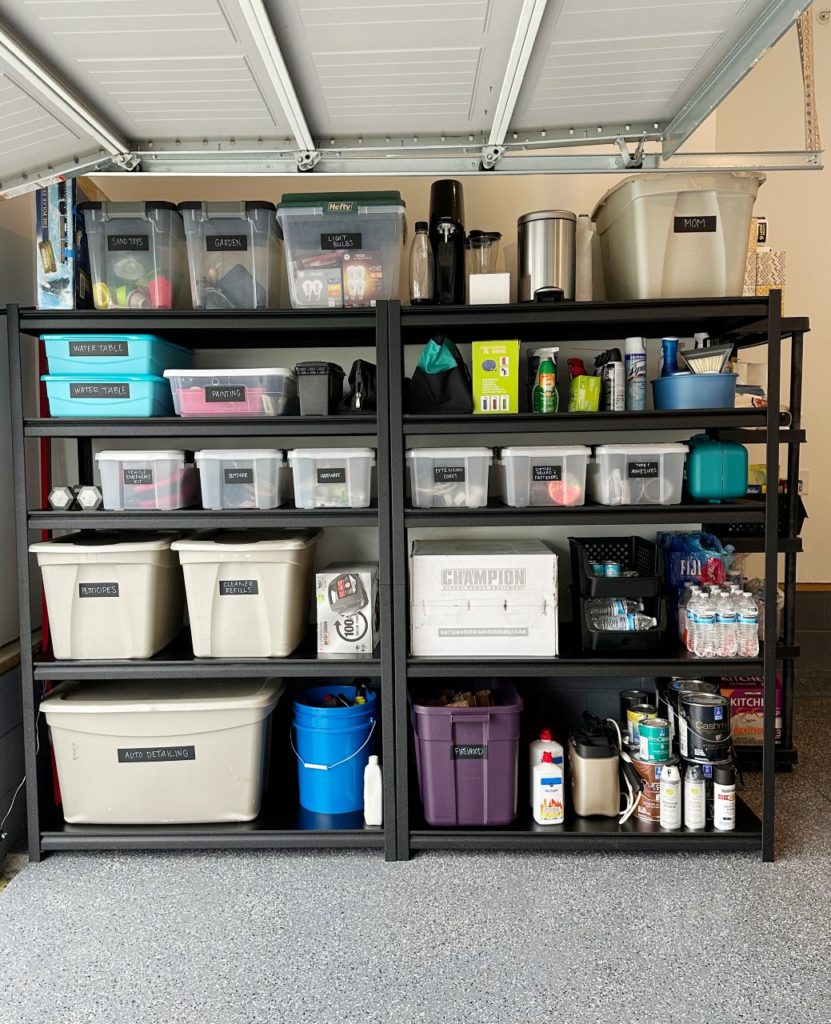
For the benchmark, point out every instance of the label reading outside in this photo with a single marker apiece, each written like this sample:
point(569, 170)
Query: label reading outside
point(138, 476)
point(332, 476)
point(224, 243)
point(684, 225)
point(128, 243)
point(238, 588)
point(99, 348)
point(641, 469)
point(470, 752)
point(239, 476)
point(99, 390)
point(342, 240)
point(152, 755)
point(542, 474)
point(448, 474)
point(224, 393)
point(97, 590)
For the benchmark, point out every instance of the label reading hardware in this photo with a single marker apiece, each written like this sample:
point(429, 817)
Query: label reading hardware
point(99, 390)
point(153, 755)
point(642, 469)
point(342, 240)
point(225, 243)
point(224, 393)
point(685, 225)
point(97, 590)
point(128, 243)
point(544, 474)
point(239, 476)
point(99, 348)
point(448, 474)
point(470, 752)
point(332, 476)
point(238, 588)
point(137, 476)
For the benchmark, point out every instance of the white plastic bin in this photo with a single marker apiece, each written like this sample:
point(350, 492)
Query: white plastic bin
point(170, 752)
point(254, 392)
point(248, 591)
point(544, 475)
point(235, 254)
point(449, 477)
point(332, 477)
point(147, 480)
point(110, 595)
point(668, 236)
point(637, 474)
point(241, 478)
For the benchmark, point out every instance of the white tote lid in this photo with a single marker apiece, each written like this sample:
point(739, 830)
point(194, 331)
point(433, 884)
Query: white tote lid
point(135, 696)
point(130, 456)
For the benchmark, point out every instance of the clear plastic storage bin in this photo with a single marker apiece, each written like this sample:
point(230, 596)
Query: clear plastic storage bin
point(147, 480)
point(110, 595)
point(342, 249)
point(234, 254)
point(237, 478)
point(101, 355)
point(332, 477)
point(167, 752)
point(544, 475)
point(133, 396)
point(257, 392)
point(137, 255)
point(637, 474)
point(248, 591)
point(449, 477)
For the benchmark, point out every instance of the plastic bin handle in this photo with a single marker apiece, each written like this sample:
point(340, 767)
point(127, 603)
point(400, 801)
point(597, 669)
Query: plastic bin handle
point(337, 764)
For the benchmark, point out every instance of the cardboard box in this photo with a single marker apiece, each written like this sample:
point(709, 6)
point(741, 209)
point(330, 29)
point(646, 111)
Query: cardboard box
point(488, 289)
point(749, 286)
point(348, 610)
point(758, 232)
point(61, 253)
point(483, 599)
point(747, 708)
point(495, 377)
point(770, 271)
point(317, 282)
point(363, 278)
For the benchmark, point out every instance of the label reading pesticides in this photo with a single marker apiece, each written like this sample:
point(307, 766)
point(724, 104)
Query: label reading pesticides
point(448, 474)
point(133, 477)
point(470, 752)
point(99, 390)
point(238, 588)
point(97, 590)
point(641, 469)
point(128, 243)
point(342, 240)
point(337, 475)
point(153, 755)
point(226, 243)
point(685, 225)
point(544, 474)
point(239, 476)
point(224, 393)
point(99, 348)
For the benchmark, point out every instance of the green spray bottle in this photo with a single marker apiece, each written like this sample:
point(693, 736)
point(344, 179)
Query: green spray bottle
point(544, 398)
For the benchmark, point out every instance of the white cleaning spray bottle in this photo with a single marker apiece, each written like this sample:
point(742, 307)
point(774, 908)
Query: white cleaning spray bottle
point(373, 792)
point(548, 791)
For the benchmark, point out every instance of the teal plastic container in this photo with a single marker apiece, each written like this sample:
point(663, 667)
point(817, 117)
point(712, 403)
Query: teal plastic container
point(716, 470)
point(102, 355)
point(127, 395)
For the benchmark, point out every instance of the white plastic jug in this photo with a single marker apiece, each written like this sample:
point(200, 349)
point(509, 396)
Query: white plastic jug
point(536, 749)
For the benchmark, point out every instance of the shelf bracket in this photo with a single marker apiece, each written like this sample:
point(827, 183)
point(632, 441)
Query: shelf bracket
point(631, 161)
point(306, 159)
point(491, 155)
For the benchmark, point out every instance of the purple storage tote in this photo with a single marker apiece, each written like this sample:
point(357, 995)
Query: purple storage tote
point(467, 761)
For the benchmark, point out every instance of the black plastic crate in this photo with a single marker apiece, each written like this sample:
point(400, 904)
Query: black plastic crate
point(758, 529)
point(614, 640)
point(320, 387)
point(633, 553)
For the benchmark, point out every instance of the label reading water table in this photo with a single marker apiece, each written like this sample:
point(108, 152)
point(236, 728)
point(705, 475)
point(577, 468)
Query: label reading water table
point(95, 389)
point(470, 752)
point(239, 476)
point(134, 477)
point(128, 243)
point(97, 590)
point(448, 474)
point(544, 474)
point(336, 475)
point(641, 469)
point(99, 348)
point(238, 588)
point(685, 225)
point(153, 755)
point(224, 393)
point(226, 243)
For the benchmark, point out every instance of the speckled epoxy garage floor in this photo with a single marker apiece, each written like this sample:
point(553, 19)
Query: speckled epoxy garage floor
point(308, 938)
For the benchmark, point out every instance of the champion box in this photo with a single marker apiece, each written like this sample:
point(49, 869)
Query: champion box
point(348, 610)
point(483, 599)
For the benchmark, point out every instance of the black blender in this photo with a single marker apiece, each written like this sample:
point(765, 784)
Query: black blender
point(447, 237)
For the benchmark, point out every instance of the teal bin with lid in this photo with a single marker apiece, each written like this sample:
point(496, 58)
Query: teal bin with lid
point(114, 396)
point(104, 354)
point(716, 470)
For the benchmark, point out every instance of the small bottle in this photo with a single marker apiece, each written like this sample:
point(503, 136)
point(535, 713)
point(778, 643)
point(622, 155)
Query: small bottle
point(421, 266)
point(695, 802)
point(669, 797)
point(544, 398)
point(631, 622)
point(727, 624)
point(724, 797)
point(547, 806)
point(546, 744)
point(635, 349)
point(747, 626)
point(373, 792)
point(612, 606)
point(669, 350)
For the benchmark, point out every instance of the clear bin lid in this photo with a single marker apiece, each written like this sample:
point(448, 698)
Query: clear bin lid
point(239, 454)
point(126, 696)
point(544, 452)
point(245, 540)
point(448, 453)
point(640, 449)
point(144, 339)
point(331, 453)
point(110, 378)
point(105, 542)
point(122, 456)
point(269, 371)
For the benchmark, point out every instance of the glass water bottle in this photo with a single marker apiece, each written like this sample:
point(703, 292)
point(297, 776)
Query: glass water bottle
point(421, 266)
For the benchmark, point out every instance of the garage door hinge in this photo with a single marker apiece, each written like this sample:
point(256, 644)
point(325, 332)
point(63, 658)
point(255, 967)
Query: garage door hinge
point(126, 161)
point(634, 160)
point(306, 159)
point(491, 155)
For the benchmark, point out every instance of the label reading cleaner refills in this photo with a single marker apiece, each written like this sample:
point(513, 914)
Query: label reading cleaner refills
point(448, 474)
point(95, 389)
point(239, 476)
point(224, 393)
point(470, 752)
point(544, 474)
point(128, 243)
point(238, 588)
point(642, 469)
point(685, 225)
point(133, 477)
point(99, 348)
point(97, 590)
point(153, 755)
point(337, 475)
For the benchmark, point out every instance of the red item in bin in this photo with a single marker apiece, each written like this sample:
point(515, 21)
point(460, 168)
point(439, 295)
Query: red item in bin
point(192, 402)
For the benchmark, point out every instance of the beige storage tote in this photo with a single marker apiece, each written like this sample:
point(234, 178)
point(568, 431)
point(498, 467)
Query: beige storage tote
point(248, 591)
point(161, 752)
point(111, 595)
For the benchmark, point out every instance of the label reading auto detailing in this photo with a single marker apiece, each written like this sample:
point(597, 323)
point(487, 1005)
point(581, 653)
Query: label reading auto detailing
point(128, 243)
point(470, 752)
point(99, 348)
point(684, 225)
point(224, 393)
point(448, 474)
point(641, 469)
point(543, 474)
point(238, 588)
point(99, 390)
point(97, 590)
point(133, 477)
point(342, 240)
point(239, 476)
point(332, 476)
point(226, 243)
point(153, 755)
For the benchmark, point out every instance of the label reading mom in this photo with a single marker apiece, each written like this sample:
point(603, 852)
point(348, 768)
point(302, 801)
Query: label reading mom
point(686, 225)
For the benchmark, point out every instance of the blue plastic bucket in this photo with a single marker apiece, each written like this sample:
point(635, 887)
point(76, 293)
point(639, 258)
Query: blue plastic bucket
point(333, 745)
point(695, 391)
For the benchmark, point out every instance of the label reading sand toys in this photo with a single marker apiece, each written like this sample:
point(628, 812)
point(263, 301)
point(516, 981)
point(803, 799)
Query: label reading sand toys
point(128, 243)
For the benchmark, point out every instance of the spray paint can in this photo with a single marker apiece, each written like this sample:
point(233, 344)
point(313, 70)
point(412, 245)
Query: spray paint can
point(670, 797)
point(610, 368)
point(724, 797)
point(695, 798)
point(635, 374)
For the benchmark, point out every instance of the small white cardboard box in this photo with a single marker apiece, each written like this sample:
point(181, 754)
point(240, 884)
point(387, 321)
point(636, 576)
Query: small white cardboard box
point(483, 599)
point(347, 610)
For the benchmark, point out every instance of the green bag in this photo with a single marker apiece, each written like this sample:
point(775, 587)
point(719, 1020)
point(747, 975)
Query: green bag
point(441, 382)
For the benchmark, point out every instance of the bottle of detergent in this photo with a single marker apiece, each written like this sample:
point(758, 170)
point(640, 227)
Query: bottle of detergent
point(546, 743)
point(373, 792)
point(547, 806)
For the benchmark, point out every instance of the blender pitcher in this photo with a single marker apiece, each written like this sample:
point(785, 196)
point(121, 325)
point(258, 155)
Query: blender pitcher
point(483, 248)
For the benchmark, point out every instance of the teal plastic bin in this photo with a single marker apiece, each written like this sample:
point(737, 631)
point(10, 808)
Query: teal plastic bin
point(127, 395)
point(716, 470)
point(102, 355)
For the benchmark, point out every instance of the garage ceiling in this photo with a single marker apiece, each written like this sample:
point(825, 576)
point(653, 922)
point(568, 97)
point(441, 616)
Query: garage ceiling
point(220, 86)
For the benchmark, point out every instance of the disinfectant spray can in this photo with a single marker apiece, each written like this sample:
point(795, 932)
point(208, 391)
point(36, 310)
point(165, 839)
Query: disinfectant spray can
point(724, 797)
point(670, 796)
point(635, 374)
point(695, 798)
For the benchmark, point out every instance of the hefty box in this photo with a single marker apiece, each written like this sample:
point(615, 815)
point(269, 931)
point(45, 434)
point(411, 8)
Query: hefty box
point(483, 599)
point(747, 708)
point(61, 253)
point(495, 376)
point(348, 610)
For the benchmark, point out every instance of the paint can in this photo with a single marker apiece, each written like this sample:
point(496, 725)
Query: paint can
point(633, 719)
point(653, 740)
point(704, 732)
point(668, 699)
point(649, 805)
point(631, 699)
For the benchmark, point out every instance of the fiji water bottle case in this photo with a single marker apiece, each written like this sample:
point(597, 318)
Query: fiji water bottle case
point(716, 470)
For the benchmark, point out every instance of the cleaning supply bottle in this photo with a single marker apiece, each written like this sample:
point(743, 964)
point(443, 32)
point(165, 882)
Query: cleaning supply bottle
point(544, 399)
point(545, 744)
point(547, 806)
point(373, 792)
point(635, 374)
point(669, 351)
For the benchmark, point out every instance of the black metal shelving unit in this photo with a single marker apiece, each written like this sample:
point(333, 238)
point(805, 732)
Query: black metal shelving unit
point(281, 823)
point(745, 322)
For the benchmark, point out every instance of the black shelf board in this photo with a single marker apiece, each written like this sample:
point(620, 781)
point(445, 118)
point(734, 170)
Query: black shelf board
point(203, 519)
point(752, 545)
point(96, 837)
point(571, 422)
point(178, 426)
point(750, 758)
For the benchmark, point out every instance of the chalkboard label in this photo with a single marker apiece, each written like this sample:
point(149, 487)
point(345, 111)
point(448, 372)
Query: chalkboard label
point(153, 755)
point(470, 752)
point(342, 240)
point(224, 393)
point(98, 590)
point(332, 476)
point(544, 474)
point(99, 348)
point(238, 588)
point(239, 476)
point(128, 243)
point(99, 390)
point(226, 243)
point(641, 469)
point(448, 474)
point(132, 477)
point(685, 225)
